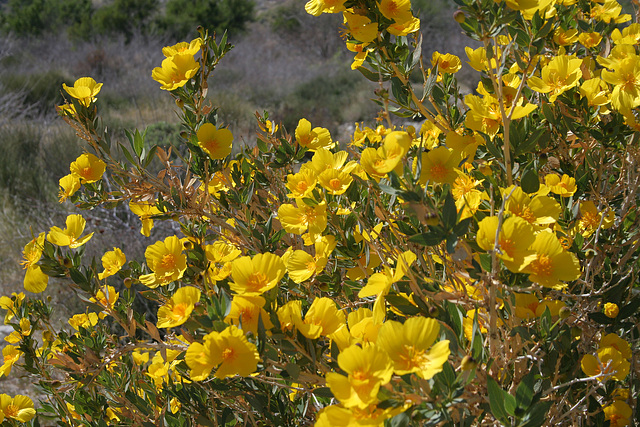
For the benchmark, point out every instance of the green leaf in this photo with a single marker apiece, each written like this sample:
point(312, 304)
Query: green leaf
point(402, 304)
point(537, 416)
point(497, 401)
point(600, 318)
point(428, 239)
point(530, 182)
point(449, 212)
point(524, 392)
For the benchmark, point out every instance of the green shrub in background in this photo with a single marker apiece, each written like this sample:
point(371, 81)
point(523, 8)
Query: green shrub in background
point(82, 20)
point(181, 16)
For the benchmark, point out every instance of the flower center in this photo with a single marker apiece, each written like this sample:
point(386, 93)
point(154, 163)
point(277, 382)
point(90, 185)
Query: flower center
point(438, 172)
point(335, 184)
point(257, 281)
point(86, 172)
point(412, 357)
point(542, 266)
point(179, 311)
point(228, 355)
point(507, 247)
point(11, 411)
point(168, 262)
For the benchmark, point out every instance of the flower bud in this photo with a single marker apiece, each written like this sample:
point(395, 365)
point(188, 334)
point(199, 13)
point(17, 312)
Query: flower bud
point(127, 282)
point(468, 363)
point(179, 103)
point(611, 310)
point(564, 312)
point(459, 16)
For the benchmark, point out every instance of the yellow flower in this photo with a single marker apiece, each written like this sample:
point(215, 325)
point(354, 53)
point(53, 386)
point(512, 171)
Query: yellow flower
point(625, 79)
point(529, 306)
point(629, 35)
point(367, 368)
point(69, 184)
point(618, 413)
point(410, 346)
point(339, 416)
point(34, 279)
point(175, 71)
point(88, 168)
point(590, 219)
point(301, 184)
point(396, 10)
point(590, 40)
point(106, 297)
point(611, 310)
point(183, 48)
point(552, 264)
point(596, 91)
point(84, 90)
point(70, 236)
point(318, 7)
point(514, 240)
point(322, 319)
point(19, 408)
point(220, 254)
point(609, 364)
point(229, 350)
point(166, 260)
point(612, 340)
point(299, 219)
point(247, 311)
point(539, 211)
point(144, 210)
point(83, 320)
point(403, 28)
point(334, 181)
point(361, 27)
point(565, 186)
point(446, 62)
point(313, 139)
point(217, 143)
point(377, 163)
point(11, 354)
point(559, 75)
point(439, 166)
point(112, 262)
point(255, 276)
point(565, 37)
point(178, 309)
point(11, 304)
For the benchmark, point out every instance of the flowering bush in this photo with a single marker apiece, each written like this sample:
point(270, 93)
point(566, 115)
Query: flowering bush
point(480, 269)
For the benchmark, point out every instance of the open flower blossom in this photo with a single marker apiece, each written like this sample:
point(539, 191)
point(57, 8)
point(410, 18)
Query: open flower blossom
point(179, 307)
point(183, 48)
point(72, 235)
point(411, 346)
point(322, 319)
point(84, 90)
point(144, 210)
point(377, 163)
point(228, 350)
point(591, 218)
point(618, 413)
point(19, 408)
point(34, 279)
point(552, 263)
point(112, 262)
point(10, 355)
point(217, 143)
point(69, 184)
point(564, 186)
point(166, 260)
point(313, 139)
point(175, 71)
point(248, 311)
point(609, 363)
point(302, 217)
point(106, 297)
point(515, 238)
point(255, 276)
point(88, 168)
point(318, 7)
point(367, 369)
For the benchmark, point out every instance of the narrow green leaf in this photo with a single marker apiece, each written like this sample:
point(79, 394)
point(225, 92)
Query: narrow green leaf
point(497, 401)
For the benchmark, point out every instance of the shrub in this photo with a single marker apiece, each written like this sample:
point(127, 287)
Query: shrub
point(479, 269)
point(182, 16)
